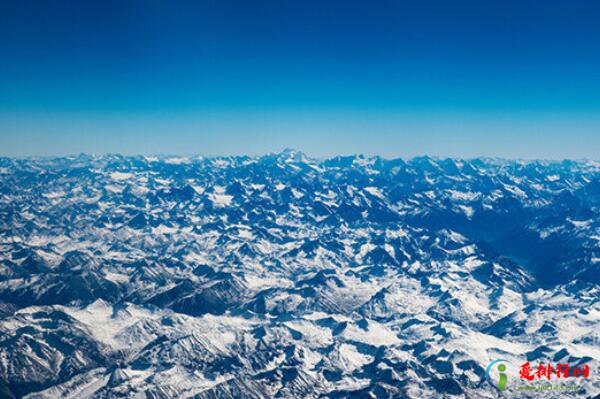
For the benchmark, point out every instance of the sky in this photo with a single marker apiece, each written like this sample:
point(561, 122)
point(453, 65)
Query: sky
point(514, 79)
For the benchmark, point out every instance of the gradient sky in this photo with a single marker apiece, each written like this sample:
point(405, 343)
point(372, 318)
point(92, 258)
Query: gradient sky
point(395, 78)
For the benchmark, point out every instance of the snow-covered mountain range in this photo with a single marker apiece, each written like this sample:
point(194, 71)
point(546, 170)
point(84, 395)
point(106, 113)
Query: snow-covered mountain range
point(291, 277)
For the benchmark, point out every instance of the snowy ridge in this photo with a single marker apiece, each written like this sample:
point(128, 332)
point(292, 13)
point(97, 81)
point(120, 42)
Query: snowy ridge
point(292, 277)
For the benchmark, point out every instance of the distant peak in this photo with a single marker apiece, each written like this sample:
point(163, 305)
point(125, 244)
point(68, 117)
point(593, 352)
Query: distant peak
point(290, 154)
point(290, 151)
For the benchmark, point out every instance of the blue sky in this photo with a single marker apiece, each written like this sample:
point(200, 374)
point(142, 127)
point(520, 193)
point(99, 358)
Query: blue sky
point(463, 78)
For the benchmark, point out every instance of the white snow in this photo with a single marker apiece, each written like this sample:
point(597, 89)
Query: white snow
point(220, 200)
point(297, 194)
point(467, 210)
point(105, 325)
point(121, 176)
point(463, 195)
point(374, 191)
point(177, 160)
point(580, 224)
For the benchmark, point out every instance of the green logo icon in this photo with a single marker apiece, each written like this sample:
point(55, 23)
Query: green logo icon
point(503, 380)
